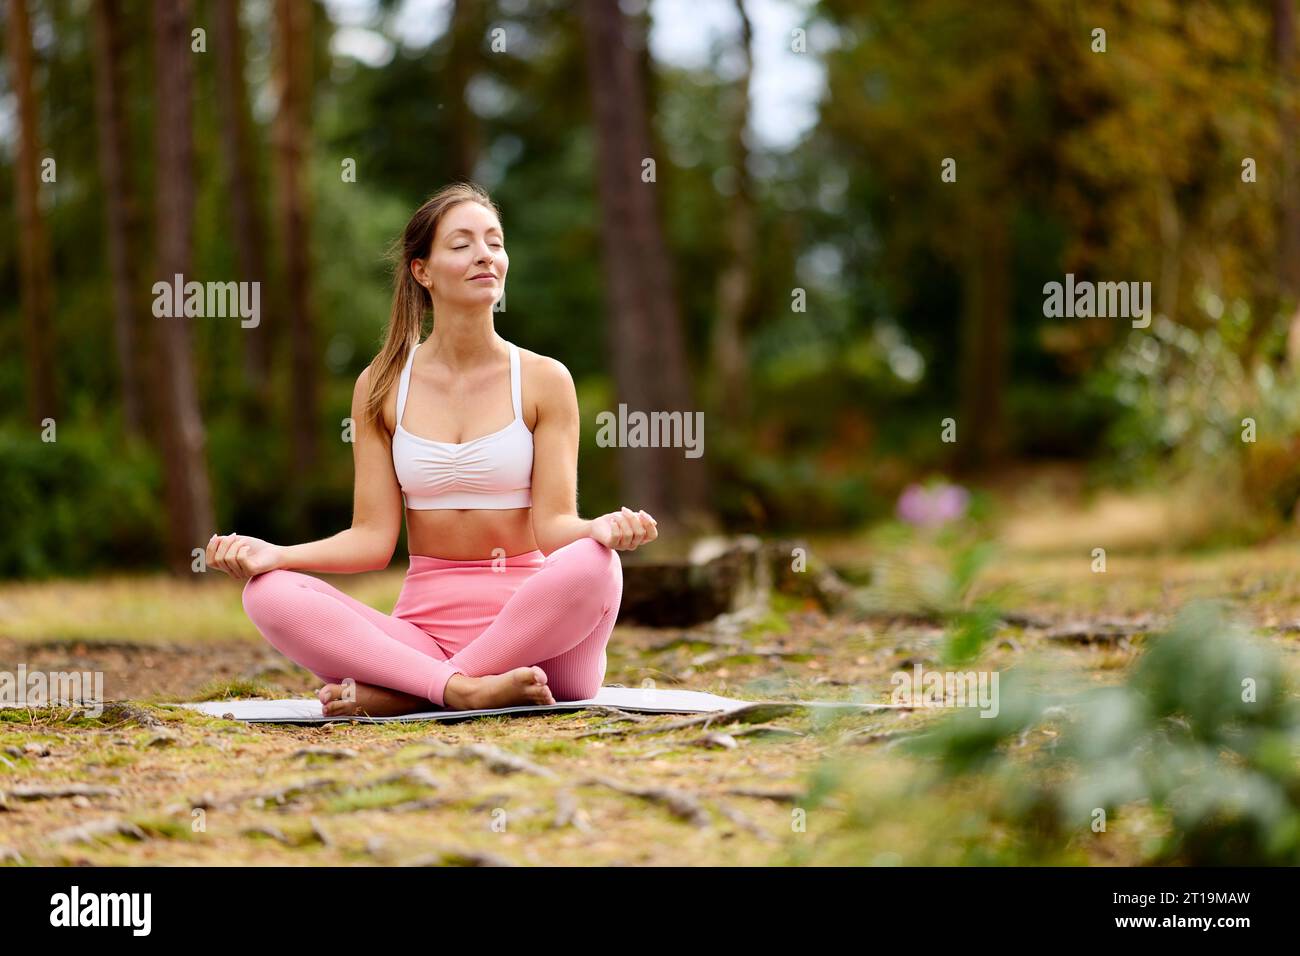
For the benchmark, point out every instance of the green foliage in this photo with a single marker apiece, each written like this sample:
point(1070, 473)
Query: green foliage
point(1190, 403)
point(1122, 165)
point(1203, 735)
point(82, 502)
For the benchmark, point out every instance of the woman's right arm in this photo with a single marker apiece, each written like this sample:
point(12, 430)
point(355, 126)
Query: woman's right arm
point(376, 504)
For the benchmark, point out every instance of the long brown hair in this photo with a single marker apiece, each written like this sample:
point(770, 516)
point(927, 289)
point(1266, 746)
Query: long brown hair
point(410, 299)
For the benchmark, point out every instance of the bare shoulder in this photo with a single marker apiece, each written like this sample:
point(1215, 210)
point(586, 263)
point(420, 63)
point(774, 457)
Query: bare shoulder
point(546, 375)
point(548, 384)
point(363, 382)
point(361, 395)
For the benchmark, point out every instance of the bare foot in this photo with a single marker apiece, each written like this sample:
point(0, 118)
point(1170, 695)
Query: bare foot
point(350, 698)
point(523, 685)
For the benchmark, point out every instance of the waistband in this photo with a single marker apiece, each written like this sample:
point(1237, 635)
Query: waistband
point(425, 562)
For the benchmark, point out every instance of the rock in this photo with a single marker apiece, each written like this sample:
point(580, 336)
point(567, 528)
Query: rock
point(720, 575)
point(725, 576)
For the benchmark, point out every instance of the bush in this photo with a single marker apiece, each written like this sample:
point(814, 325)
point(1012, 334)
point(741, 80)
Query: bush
point(1190, 405)
point(1199, 741)
point(84, 501)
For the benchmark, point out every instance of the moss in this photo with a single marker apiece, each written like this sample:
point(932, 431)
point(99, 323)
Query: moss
point(374, 798)
point(773, 622)
point(233, 689)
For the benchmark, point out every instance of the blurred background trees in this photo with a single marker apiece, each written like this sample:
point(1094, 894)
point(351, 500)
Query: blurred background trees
point(827, 300)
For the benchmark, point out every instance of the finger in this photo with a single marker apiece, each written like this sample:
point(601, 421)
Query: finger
point(241, 568)
point(215, 560)
point(620, 532)
point(634, 526)
point(639, 529)
point(210, 551)
point(227, 554)
point(223, 550)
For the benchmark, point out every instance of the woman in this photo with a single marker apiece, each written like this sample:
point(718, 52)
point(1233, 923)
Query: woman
point(510, 597)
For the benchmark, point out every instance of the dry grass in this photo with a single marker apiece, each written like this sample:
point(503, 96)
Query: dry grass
point(199, 790)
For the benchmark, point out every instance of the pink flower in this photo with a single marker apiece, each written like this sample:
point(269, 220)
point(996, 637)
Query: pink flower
point(932, 506)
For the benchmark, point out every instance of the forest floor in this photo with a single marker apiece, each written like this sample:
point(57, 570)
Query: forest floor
point(148, 783)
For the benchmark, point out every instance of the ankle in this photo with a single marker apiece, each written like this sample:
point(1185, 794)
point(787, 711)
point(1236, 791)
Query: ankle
point(457, 691)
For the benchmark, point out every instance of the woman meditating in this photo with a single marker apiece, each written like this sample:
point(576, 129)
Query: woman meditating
point(510, 597)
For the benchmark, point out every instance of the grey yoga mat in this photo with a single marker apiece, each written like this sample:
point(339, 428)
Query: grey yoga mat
point(308, 710)
point(646, 700)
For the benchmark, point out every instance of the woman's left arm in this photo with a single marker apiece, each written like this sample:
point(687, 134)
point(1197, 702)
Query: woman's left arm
point(555, 473)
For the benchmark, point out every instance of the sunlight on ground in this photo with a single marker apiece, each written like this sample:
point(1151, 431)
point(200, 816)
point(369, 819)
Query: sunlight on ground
point(153, 608)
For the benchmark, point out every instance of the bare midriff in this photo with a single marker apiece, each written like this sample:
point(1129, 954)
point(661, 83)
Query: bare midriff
point(470, 534)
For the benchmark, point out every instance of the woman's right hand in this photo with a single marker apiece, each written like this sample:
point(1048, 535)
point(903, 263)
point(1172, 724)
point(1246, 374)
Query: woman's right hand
point(242, 556)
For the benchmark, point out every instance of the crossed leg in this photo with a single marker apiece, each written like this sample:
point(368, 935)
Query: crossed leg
point(560, 620)
point(335, 636)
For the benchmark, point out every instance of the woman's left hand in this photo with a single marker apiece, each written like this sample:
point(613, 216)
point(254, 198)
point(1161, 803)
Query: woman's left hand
point(624, 530)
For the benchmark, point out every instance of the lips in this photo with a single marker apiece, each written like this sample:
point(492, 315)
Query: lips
point(482, 275)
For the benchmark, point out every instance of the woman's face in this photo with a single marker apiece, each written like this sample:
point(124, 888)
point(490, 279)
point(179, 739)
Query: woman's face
point(468, 243)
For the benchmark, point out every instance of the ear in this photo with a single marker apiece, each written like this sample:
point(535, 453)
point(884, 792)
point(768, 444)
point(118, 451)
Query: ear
point(421, 273)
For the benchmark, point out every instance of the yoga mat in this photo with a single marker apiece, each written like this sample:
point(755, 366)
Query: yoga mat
point(307, 710)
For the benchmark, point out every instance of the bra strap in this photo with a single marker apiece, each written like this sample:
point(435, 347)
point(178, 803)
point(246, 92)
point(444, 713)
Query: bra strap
point(516, 387)
point(404, 383)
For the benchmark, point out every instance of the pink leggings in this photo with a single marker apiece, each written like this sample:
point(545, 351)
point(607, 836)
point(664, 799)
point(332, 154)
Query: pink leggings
point(475, 618)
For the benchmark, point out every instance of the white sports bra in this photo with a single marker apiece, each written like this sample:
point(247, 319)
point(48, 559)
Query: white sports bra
point(494, 471)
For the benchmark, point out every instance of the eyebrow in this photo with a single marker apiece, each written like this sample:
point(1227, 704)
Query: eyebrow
point(470, 232)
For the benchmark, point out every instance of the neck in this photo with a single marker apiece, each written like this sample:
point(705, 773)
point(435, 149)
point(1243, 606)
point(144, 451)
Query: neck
point(463, 337)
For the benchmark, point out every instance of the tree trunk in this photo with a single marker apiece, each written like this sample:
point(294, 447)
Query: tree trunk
point(466, 39)
point(986, 308)
point(121, 216)
point(1284, 27)
point(1289, 198)
point(737, 279)
point(292, 49)
point(189, 496)
point(241, 178)
point(35, 282)
point(645, 340)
